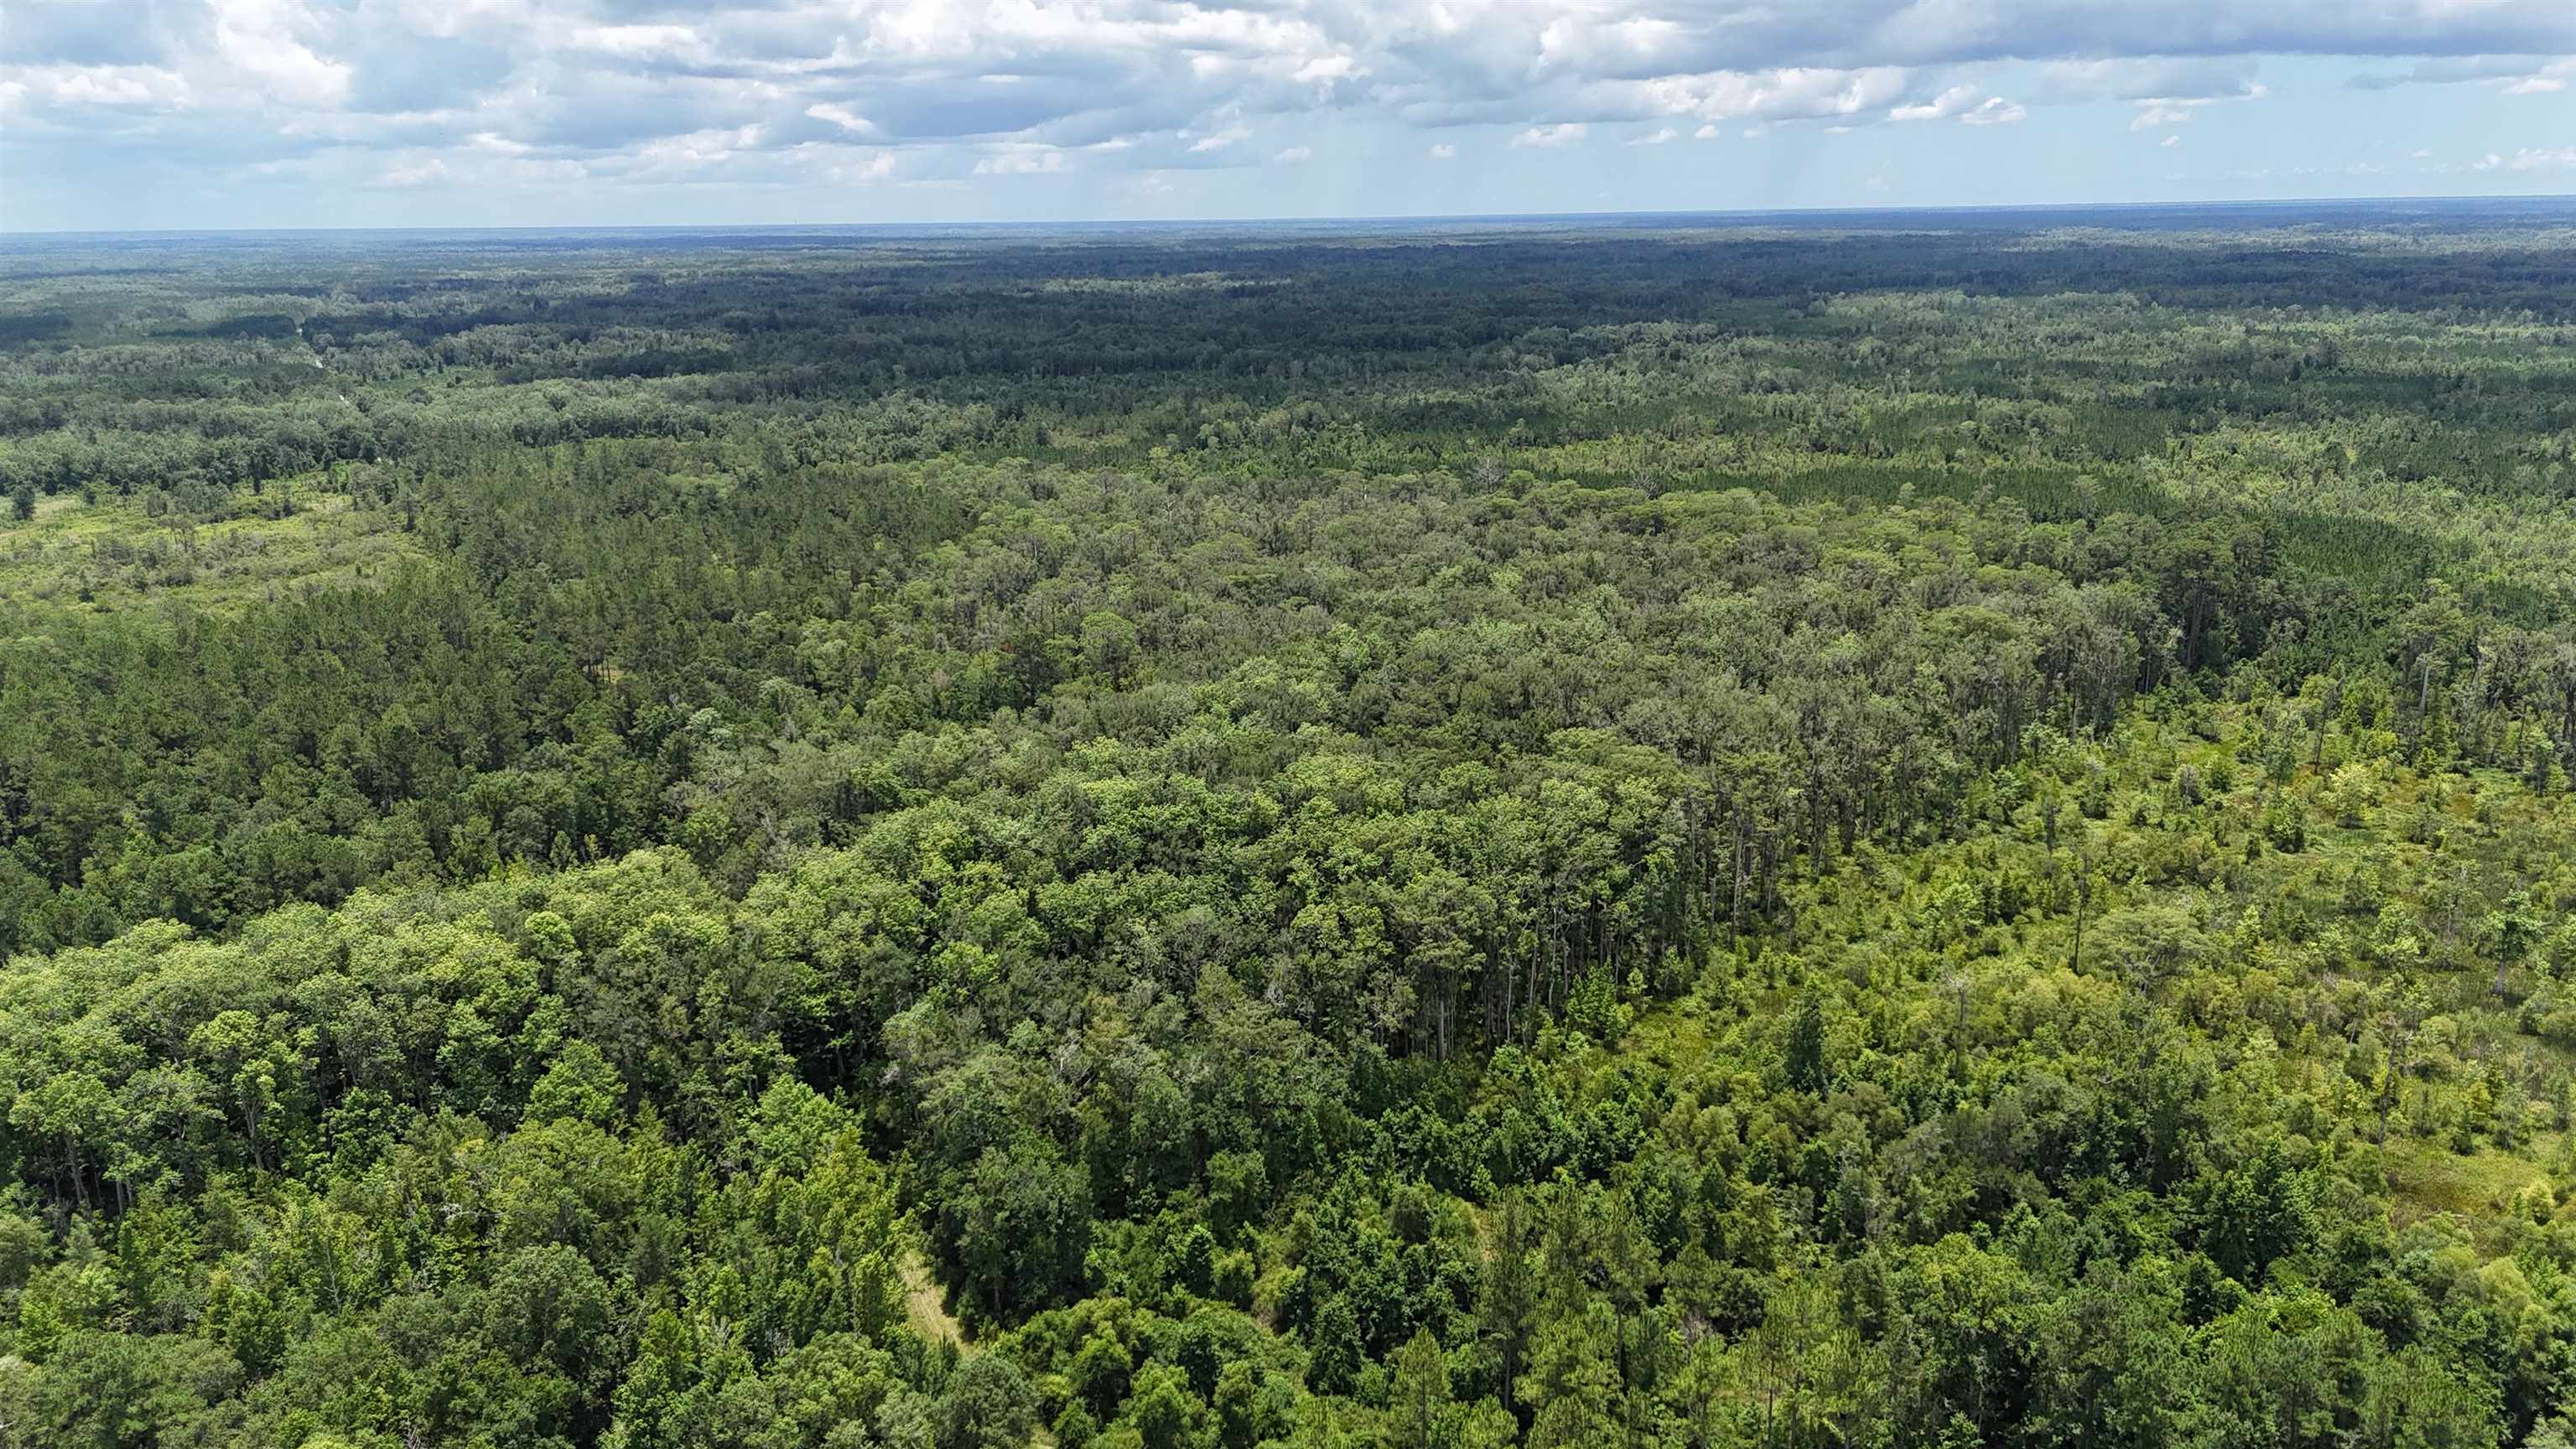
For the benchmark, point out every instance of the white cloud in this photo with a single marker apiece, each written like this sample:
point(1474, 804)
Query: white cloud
point(841, 116)
point(641, 42)
point(875, 166)
point(2346, 171)
point(1948, 103)
point(694, 151)
point(1295, 156)
point(2158, 112)
point(1021, 160)
point(2170, 141)
point(2530, 158)
point(2140, 78)
point(1443, 151)
point(635, 92)
point(1792, 94)
point(120, 86)
point(1561, 133)
point(262, 40)
point(2514, 75)
point(418, 173)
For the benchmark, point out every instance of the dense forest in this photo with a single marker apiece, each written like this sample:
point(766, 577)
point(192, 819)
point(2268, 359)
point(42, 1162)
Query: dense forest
point(1942, 831)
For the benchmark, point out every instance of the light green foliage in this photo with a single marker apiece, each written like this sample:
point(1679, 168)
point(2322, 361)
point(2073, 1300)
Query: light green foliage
point(1655, 839)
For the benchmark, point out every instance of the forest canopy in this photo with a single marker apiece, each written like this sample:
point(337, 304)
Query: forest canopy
point(1892, 831)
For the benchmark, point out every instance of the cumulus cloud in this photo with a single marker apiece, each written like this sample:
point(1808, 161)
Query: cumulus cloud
point(1949, 103)
point(643, 42)
point(2530, 158)
point(2515, 75)
point(639, 91)
point(123, 87)
point(2142, 78)
point(266, 43)
point(2156, 113)
point(1022, 160)
point(1562, 133)
point(1798, 93)
point(875, 166)
point(1443, 151)
point(841, 116)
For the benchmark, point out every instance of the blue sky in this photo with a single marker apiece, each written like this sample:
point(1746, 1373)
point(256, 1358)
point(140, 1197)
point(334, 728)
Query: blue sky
point(118, 114)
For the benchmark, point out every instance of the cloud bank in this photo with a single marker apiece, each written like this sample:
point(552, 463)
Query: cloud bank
point(606, 93)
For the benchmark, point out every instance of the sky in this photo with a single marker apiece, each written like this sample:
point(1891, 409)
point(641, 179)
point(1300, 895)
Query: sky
point(201, 114)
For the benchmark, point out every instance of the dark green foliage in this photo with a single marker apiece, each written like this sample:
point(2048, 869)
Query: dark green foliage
point(1669, 838)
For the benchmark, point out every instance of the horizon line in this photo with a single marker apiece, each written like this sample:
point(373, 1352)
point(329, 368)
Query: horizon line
point(2561, 199)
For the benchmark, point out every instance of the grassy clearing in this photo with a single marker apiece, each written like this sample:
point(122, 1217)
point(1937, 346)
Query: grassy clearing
point(75, 560)
point(926, 1306)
